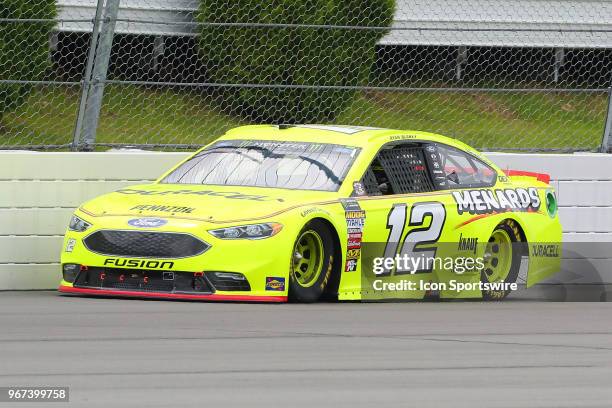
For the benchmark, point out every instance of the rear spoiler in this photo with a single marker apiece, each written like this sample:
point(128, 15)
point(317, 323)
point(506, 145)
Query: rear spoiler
point(543, 177)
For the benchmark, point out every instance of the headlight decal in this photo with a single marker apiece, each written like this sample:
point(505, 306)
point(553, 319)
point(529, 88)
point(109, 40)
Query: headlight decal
point(78, 225)
point(251, 231)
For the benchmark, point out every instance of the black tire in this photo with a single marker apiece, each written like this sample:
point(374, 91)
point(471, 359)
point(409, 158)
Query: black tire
point(512, 229)
point(313, 292)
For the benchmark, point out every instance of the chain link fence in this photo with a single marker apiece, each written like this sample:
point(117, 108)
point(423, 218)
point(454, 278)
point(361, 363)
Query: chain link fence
point(531, 75)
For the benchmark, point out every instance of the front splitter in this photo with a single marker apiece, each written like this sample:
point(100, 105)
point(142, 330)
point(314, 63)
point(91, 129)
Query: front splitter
point(178, 296)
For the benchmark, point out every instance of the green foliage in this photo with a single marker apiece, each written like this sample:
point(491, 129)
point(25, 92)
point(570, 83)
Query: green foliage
point(24, 47)
point(294, 56)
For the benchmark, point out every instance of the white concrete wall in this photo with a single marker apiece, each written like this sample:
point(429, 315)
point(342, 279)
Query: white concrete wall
point(584, 189)
point(39, 191)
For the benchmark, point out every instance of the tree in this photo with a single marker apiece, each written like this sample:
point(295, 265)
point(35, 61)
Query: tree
point(294, 64)
point(24, 47)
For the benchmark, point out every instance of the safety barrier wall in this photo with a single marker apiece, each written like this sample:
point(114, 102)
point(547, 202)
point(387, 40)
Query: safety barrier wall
point(39, 191)
point(584, 189)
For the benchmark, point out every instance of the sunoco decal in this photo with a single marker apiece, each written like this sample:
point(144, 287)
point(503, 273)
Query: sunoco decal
point(489, 201)
point(355, 221)
point(276, 284)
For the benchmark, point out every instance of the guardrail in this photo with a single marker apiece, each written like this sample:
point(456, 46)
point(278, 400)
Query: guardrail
point(40, 191)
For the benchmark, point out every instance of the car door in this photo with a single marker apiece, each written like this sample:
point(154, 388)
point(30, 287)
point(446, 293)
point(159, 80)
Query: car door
point(412, 218)
point(405, 214)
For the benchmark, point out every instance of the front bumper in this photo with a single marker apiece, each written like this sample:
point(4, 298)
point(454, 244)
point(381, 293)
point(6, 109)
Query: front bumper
point(163, 284)
point(262, 262)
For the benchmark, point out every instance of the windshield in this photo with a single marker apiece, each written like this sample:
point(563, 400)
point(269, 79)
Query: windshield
point(276, 164)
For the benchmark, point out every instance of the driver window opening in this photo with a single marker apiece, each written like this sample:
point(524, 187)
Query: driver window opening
point(401, 169)
point(375, 180)
point(463, 170)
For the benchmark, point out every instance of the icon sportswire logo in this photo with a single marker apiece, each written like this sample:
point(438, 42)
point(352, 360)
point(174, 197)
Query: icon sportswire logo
point(147, 222)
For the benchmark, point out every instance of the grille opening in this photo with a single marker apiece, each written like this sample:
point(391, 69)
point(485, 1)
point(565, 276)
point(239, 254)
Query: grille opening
point(225, 281)
point(141, 280)
point(70, 272)
point(145, 244)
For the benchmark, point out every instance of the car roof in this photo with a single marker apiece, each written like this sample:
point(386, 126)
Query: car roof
point(359, 136)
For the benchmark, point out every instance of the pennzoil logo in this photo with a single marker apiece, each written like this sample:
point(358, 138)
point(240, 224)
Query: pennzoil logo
point(163, 208)
point(276, 284)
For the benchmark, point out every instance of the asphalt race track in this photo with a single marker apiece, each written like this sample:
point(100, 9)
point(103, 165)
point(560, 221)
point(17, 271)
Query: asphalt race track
point(118, 353)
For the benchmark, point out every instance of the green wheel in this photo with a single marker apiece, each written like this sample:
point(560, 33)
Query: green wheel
point(502, 259)
point(311, 262)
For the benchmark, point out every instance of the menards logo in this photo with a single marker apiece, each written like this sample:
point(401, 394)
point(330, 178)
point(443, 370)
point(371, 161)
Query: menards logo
point(489, 201)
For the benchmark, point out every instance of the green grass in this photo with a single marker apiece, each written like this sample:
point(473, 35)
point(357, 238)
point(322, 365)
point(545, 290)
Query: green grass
point(500, 120)
point(130, 114)
point(137, 115)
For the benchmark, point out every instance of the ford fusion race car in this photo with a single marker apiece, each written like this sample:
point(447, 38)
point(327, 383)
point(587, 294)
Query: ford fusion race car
point(304, 212)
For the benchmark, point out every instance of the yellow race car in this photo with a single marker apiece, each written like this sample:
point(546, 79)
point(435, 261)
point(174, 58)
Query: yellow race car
point(305, 212)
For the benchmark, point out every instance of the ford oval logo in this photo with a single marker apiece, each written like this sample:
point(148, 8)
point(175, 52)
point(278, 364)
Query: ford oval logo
point(147, 222)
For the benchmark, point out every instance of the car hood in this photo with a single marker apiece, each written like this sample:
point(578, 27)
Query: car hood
point(206, 203)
